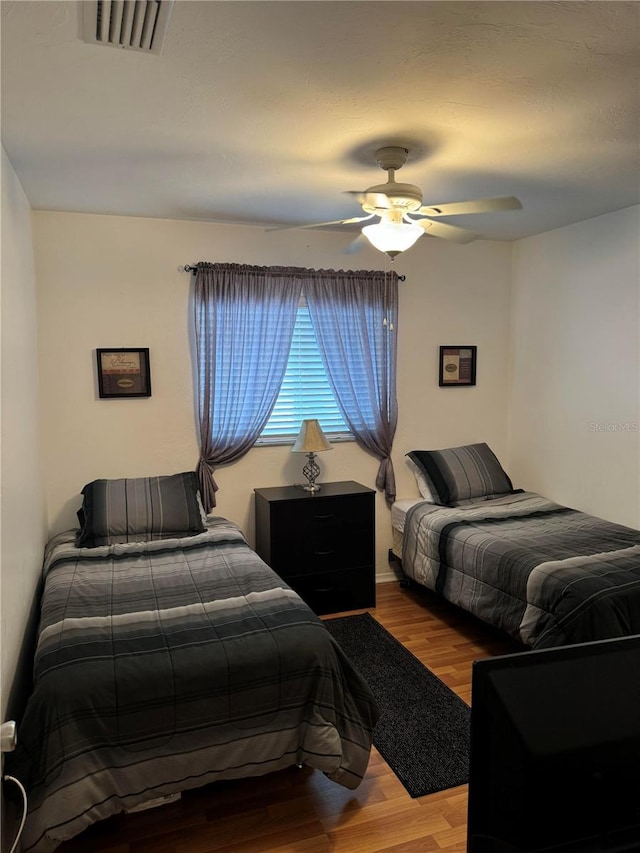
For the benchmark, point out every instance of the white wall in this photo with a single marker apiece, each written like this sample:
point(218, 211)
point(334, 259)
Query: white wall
point(575, 385)
point(106, 281)
point(21, 495)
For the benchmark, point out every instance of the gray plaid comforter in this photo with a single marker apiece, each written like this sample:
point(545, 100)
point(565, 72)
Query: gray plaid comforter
point(165, 665)
point(546, 574)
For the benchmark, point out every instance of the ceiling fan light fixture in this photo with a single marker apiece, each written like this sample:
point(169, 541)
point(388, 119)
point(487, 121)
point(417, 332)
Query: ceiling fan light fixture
point(392, 237)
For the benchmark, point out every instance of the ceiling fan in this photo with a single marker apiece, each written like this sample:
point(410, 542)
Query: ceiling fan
point(397, 204)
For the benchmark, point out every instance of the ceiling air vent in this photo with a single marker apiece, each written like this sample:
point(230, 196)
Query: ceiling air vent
point(127, 24)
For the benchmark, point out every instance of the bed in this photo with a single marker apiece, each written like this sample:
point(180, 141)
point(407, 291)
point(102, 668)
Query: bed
point(546, 574)
point(171, 658)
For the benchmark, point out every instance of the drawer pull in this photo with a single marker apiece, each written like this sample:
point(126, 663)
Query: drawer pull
point(324, 517)
point(324, 553)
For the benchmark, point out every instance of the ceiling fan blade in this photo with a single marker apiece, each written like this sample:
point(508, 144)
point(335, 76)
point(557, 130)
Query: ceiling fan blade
point(447, 232)
point(357, 194)
point(481, 205)
point(355, 245)
point(320, 224)
point(377, 200)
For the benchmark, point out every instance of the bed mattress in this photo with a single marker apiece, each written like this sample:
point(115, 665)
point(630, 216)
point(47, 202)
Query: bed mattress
point(399, 510)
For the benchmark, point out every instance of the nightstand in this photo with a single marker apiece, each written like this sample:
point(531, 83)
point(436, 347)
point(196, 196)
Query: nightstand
point(321, 543)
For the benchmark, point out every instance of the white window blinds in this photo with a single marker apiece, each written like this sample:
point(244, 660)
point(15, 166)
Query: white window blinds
point(306, 391)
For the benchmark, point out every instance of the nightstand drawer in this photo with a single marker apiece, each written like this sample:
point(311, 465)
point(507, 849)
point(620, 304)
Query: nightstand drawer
point(331, 534)
point(331, 592)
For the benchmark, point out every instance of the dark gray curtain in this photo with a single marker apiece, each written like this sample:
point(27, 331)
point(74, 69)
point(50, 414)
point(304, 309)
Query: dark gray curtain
point(354, 315)
point(244, 319)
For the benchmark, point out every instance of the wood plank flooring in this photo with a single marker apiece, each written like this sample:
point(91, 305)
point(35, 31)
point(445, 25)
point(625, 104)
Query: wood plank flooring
point(301, 811)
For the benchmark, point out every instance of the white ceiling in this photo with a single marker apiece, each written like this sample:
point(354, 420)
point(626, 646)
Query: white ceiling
point(265, 112)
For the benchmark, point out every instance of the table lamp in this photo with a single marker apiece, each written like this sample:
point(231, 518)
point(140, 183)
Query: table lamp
point(311, 440)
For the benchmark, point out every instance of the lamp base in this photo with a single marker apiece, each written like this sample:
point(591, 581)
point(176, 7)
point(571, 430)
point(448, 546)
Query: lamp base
point(311, 471)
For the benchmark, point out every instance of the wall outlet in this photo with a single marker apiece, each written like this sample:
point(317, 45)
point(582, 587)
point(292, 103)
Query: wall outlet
point(8, 736)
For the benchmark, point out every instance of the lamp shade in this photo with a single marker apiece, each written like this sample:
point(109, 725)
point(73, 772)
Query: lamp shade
point(311, 439)
point(392, 237)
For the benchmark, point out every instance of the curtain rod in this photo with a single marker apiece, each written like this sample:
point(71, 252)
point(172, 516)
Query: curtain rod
point(194, 268)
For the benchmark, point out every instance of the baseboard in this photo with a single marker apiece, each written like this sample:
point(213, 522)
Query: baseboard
point(386, 577)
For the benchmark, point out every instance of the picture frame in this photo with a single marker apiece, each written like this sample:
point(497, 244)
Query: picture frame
point(123, 372)
point(457, 366)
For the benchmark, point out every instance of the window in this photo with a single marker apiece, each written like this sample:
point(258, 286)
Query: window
point(306, 391)
point(245, 319)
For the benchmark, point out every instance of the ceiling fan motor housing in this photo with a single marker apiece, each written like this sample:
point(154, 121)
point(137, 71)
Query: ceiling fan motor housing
point(405, 196)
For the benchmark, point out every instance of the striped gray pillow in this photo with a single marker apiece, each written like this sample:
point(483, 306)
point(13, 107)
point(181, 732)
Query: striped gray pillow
point(139, 509)
point(459, 473)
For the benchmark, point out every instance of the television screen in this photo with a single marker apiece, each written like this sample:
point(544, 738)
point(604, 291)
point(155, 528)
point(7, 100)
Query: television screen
point(555, 750)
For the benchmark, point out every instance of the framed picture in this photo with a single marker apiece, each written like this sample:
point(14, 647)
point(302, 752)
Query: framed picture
point(457, 366)
point(124, 372)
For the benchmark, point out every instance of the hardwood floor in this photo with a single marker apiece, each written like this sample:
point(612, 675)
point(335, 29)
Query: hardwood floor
point(301, 811)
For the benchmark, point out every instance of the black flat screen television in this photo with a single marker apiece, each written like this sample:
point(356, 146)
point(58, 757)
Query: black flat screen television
point(555, 750)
